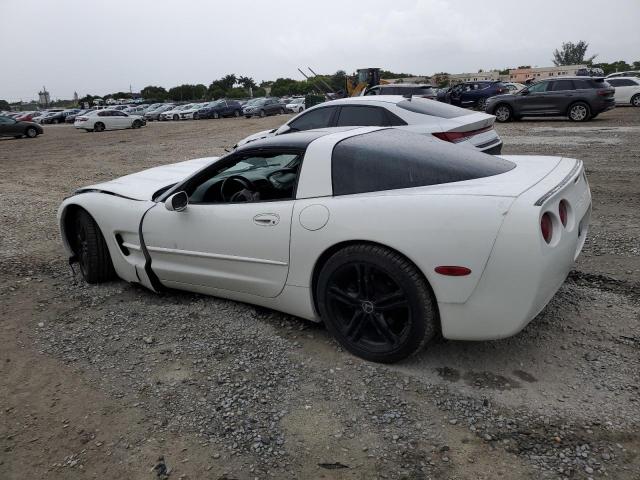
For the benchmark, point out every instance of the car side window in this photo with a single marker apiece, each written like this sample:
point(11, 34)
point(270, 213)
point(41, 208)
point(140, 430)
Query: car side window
point(7, 120)
point(318, 118)
point(560, 85)
point(247, 177)
point(362, 116)
point(538, 87)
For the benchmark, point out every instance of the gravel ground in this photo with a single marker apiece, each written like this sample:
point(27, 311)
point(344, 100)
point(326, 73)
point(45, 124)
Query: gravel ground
point(100, 381)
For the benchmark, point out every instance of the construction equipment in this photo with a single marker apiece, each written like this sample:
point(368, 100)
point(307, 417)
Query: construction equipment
point(365, 78)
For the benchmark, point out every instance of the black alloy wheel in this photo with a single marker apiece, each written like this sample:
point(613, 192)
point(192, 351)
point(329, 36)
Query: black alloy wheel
point(98, 127)
point(90, 249)
point(236, 113)
point(376, 303)
point(481, 104)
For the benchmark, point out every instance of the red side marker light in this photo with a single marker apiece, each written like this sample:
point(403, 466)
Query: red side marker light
point(452, 271)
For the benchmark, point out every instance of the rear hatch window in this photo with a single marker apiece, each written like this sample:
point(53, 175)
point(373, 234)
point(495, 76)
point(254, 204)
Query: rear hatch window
point(393, 159)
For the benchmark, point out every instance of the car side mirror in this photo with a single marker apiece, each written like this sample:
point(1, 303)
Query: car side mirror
point(524, 92)
point(177, 202)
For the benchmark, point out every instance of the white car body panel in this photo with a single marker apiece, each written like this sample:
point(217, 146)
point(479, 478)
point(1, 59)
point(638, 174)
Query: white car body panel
point(416, 122)
point(88, 121)
point(624, 94)
point(490, 225)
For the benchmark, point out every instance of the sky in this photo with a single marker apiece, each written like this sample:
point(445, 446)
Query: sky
point(98, 47)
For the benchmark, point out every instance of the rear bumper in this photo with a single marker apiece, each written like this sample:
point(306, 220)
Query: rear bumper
point(523, 272)
point(493, 148)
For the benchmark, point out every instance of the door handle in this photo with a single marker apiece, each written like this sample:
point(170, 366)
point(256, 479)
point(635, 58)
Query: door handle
point(266, 219)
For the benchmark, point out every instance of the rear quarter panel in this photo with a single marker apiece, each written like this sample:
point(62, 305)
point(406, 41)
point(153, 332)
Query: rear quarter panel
point(430, 230)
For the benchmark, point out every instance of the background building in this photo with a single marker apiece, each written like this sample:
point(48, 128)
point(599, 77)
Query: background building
point(520, 75)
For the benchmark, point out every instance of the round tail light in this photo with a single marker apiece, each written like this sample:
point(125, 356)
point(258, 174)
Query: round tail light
point(562, 211)
point(546, 227)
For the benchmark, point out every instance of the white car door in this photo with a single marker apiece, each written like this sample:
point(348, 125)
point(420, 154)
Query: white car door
point(221, 244)
point(121, 119)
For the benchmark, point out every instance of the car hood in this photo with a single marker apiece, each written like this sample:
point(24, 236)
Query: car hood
point(142, 185)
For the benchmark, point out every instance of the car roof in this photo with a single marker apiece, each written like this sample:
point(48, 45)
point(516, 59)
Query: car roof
point(635, 79)
point(416, 85)
point(295, 139)
point(367, 98)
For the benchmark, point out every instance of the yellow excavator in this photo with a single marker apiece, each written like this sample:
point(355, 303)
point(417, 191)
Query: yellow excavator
point(363, 79)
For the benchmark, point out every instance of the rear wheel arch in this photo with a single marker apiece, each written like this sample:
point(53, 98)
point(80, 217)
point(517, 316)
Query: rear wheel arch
point(329, 252)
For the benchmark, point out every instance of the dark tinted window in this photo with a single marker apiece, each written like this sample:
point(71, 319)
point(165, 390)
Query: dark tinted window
point(362, 117)
point(538, 87)
point(562, 85)
point(319, 118)
point(583, 84)
point(392, 159)
point(622, 82)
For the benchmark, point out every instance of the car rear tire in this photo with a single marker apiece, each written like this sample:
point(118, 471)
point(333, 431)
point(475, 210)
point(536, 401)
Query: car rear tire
point(196, 116)
point(236, 113)
point(55, 121)
point(176, 117)
point(282, 111)
point(91, 249)
point(31, 132)
point(579, 112)
point(376, 303)
point(635, 100)
point(481, 104)
point(216, 115)
point(263, 113)
point(503, 113)
point(136, 124)
point(98, 127)
point(247, 116)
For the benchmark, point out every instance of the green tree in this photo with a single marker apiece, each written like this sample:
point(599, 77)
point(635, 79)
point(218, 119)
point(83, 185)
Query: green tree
point(4, 105)
point(572, 54)
point(153, 92)
point(246, 82)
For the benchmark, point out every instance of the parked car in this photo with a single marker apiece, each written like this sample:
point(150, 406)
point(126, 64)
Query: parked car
point(10, 127)
point(71, 118)
point(627, 90)
point(100, 120)
point(174, 113)
point(187, 113)
point(46, 113)
point(25, 116)
point(473, 130)
point(220, 108)
point(154, 114)
point(296, 105)
point(263, 107)
point(466, 245)
point(579, 98)
point(590, 72)
point(134, 110)
point(418, 90)
point(628, 73)
point(59, 117)
point(513, 87)
point(474, 94)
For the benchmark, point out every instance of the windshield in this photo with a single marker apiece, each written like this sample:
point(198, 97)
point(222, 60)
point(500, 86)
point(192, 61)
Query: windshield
point(297, 100)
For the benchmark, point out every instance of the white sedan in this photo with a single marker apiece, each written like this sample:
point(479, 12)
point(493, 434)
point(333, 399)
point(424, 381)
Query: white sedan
point(627, 90)
point(174, 114)
point(384, 235)
point(187, 113)
point(296, 105)
point(446, 122)
point(107, 119)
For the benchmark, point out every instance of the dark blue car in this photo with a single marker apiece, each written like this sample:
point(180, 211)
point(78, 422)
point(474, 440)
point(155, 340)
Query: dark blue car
point(474, 94)
point(220, 108)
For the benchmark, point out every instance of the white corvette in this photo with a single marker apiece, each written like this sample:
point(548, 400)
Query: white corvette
point(386, 236)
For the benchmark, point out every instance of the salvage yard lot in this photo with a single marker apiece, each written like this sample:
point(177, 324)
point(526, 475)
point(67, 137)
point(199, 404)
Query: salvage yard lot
point(99, 381)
